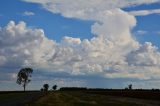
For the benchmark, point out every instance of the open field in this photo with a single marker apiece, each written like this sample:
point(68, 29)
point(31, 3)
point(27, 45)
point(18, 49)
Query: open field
point(82, 98)
point(141, 94)
point(79, 98)
point(18, 98)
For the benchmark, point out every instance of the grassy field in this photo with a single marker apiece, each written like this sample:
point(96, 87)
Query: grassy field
point(141, 94)
point(18, 98)
point(79, 98)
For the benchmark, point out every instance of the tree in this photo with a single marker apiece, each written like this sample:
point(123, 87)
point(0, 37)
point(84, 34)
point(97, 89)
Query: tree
point(23, 77)
point(45, 86)
point(41, 89)
point(54, 87)
point(130, 86)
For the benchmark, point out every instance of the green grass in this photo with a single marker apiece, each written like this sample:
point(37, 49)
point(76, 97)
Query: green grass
point(77, 98)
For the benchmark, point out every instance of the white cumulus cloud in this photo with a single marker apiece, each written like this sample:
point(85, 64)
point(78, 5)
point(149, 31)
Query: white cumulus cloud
point(146, 55)
point(22, 46)
point(85, 9)
point(112, 52)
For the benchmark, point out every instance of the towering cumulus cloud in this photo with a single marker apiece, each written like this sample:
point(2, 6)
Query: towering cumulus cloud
point(111, 53)
point(22, 46)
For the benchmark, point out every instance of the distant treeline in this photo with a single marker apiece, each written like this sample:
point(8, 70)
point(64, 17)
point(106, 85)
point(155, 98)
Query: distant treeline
point(137, 93)
point(153, 94)
point(72, 88)
point(102, 89)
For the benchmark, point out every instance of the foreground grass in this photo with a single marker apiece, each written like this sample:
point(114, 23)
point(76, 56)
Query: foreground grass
point(18, 98)
point(78, 98)
point(6, 97)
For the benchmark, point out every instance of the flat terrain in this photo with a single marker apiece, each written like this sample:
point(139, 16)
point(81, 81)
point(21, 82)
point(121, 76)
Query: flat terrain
point(18, 98)
point(79, 98)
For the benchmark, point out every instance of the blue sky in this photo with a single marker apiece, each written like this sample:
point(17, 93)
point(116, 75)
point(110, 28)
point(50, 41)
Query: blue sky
point(72, 48)
point(149, 23)
point(54, 25)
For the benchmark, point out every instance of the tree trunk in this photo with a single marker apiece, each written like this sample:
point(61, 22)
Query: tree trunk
point(24, 86)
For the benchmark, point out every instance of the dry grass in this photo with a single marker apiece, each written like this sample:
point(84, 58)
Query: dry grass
point(77, 98)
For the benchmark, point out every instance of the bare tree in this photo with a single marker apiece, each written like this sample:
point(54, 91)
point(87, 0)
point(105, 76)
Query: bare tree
point(23, 77)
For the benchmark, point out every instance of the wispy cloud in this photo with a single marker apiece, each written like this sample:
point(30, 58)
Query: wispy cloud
point(28, 13)
point(144, 12)
point(1, 15)
point(157, 32)
point(141, 32)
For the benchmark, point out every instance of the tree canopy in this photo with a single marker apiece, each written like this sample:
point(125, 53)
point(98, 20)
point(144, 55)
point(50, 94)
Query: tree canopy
point(23, 77)
point(46, 87)
point(54, 87)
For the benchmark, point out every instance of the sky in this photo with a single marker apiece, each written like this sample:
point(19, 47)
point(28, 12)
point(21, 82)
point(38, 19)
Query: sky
point(99, 44)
